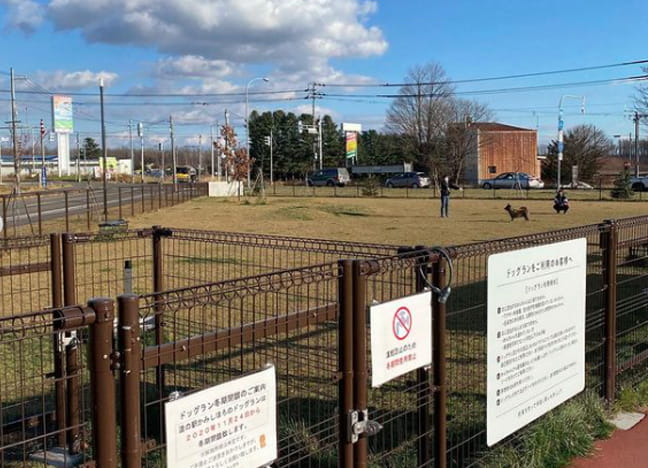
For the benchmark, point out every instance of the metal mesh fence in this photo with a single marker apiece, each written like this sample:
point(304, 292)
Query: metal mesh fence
point(99, 260)
point(25, 277)
point(632, 297)
point(466, 335)
point(31, 427)
point(403, 406)
point(213, 333)
point(192, 257)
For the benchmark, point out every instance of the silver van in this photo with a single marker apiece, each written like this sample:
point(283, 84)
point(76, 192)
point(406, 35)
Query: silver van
point(336, 176)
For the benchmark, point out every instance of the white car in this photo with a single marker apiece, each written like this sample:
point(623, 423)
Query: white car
point(512, 180)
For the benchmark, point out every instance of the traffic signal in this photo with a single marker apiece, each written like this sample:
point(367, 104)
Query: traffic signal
point(42, 128)
point(267, 140)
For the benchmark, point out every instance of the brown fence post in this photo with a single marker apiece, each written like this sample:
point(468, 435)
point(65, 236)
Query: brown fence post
point(40, 214)
point(130, 351)
point(361, 449)
point(102, 386)
point(158, 285)
point(71, 350)
point(67, 210)
point(73, 377)
point(59, 356)
point(119, 197)
point(423, 378)
point(345, 361)
point(88, 208)
point(609, 235)
point(4, 217)
point(69, 280)
point(439, 367)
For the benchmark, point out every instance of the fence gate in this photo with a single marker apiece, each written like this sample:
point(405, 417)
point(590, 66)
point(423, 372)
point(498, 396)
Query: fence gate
point(401, 422)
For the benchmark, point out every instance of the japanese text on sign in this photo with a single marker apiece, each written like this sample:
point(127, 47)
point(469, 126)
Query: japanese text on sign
point(401, 337)
point(536, 333)
point(229, 425)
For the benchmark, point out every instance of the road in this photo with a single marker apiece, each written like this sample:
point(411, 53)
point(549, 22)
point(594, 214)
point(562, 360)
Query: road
point(23, 210)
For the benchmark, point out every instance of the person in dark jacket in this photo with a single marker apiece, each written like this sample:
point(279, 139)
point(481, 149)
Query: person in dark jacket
point(446, 185)
point(561, 202)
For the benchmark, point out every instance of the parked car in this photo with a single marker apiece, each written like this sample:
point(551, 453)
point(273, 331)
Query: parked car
point(330, 177)
point(409, 179)
point(639, 184)
point(186, 174)
point(513, 180)
point(578, 186)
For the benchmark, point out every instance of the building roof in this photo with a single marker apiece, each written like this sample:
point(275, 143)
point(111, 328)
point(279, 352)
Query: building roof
point(498, 127)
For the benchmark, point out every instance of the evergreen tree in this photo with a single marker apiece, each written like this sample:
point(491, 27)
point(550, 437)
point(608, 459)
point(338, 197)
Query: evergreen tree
point(91, 148)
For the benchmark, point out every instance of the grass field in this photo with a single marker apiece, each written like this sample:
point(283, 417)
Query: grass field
point(391, 221)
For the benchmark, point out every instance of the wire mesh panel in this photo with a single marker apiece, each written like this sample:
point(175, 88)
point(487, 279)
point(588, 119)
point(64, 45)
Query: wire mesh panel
point(99, 261)
point(34, 417)
point(403, 406)
point(466, 335)
point(25, 278)
point(213, 333)
point(632, 297)
point(192, 257)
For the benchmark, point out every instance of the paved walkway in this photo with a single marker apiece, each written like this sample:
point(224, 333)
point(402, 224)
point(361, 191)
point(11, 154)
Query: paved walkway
point(624, 449)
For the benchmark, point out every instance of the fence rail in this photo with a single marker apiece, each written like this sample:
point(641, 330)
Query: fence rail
point(36, 213)
point(210, 306)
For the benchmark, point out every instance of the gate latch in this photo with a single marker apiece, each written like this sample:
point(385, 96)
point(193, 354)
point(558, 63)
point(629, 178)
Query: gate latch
point(359, 423)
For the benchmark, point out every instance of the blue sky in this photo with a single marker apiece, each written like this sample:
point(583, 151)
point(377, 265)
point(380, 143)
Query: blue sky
point(192, 47)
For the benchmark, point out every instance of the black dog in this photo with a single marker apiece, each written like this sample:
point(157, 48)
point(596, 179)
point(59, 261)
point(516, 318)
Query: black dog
point(521, 212)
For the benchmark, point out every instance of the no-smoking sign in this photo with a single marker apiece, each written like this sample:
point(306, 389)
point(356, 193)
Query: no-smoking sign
point(401, 337)
point(402, 323)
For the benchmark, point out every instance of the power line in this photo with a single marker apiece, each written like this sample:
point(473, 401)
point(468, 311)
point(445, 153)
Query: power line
point(491, 78)
point(629, 79)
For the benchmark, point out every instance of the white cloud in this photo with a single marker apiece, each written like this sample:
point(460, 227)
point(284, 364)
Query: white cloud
point(250, 31)
point(194, 66)
point(74, 80)
point(25, 15)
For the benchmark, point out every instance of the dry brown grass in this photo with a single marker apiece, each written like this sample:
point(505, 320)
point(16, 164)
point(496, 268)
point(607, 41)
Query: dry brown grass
point(392, 221)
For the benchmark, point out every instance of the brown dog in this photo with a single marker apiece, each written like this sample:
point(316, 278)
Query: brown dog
point(520, 212)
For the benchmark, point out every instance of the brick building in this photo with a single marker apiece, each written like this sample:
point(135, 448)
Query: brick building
point(500, 148)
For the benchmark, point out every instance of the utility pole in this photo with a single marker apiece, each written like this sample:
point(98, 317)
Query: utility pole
point(132, 154)
point(42, 147)
point(161, 149)
point(226, 144)
point(173, 153)
point(104, 149)
point(14, 133)
point(78, 156)
point(561, 126)
point(211, 139)
point(140, 133)
point(637, 118)
point(199, 156)
point(314, 94)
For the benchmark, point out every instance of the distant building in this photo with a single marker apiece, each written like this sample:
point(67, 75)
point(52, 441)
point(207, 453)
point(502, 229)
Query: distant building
point(500, 148)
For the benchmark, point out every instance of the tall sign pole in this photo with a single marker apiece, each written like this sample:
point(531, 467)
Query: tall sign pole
point(14, 134)
point(561, 126)
point(104, 149)
point(173, 153)
point(140, 133)
point(132, 153)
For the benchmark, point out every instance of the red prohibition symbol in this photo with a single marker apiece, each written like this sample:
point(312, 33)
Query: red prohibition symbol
point(402, 323)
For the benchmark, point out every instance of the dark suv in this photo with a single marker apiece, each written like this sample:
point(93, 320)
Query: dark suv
point(334, 176)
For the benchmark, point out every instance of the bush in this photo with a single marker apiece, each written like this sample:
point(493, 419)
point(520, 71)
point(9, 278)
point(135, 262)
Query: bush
point(371, 187)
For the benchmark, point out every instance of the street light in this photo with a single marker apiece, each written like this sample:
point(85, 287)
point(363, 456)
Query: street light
point(561, 126)
point(247, 116)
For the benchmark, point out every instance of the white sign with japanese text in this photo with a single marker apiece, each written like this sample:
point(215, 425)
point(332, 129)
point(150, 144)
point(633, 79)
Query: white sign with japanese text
point(229, 425)
point(401, 337)
point(536, 333)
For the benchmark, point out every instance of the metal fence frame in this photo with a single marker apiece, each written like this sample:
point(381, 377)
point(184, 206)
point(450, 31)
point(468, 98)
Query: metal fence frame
point(157, 332)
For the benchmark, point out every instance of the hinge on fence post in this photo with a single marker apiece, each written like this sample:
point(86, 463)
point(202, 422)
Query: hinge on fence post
point(358, 422)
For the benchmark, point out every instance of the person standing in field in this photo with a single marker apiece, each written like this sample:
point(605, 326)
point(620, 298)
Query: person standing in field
point(446, 185)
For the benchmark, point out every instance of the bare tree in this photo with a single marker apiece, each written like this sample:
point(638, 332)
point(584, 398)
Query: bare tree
point(420, 113)
point(460, 138)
